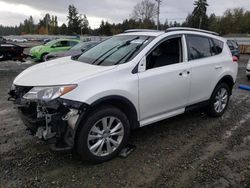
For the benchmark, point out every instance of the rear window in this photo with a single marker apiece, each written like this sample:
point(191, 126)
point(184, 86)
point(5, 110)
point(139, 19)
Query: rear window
point(198, 47)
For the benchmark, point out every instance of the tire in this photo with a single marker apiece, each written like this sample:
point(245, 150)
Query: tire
point(2, 57)
point(218, 103)
point(92, 132)
point(248, 77)
point(43, 57)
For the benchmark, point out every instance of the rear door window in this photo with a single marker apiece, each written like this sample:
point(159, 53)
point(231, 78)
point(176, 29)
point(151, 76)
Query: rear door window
point(198, 47)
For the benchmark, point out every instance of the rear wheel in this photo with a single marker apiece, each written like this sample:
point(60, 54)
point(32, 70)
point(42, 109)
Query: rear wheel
point(103, 135)
point(2, 57)
point(219, 100)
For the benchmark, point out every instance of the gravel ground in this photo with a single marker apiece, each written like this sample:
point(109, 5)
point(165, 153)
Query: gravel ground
point(191, 150)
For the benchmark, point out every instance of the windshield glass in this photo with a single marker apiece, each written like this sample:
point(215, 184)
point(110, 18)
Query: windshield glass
point(78, 46)
point(116, 50)
point(50, 43)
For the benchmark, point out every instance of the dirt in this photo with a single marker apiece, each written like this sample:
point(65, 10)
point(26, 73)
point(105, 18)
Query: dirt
point(191, 150)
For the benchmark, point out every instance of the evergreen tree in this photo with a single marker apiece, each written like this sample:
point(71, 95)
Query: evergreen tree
point(200, 14)
point(74, 20)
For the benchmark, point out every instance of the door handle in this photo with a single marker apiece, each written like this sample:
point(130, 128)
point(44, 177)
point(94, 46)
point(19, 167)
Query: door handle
point(218, 67)
point(182, 73)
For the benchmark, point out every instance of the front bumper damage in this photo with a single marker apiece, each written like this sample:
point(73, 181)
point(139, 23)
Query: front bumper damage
point(55, 121)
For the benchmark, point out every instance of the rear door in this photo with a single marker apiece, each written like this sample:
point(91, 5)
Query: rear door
point(205, 67)
point(63, 45)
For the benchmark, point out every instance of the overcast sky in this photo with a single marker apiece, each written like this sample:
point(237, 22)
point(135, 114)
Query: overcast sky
point(12, 12)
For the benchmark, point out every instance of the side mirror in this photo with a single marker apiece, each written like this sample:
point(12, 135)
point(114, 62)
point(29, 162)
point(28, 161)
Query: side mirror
point(83, 50)
point(142, 64)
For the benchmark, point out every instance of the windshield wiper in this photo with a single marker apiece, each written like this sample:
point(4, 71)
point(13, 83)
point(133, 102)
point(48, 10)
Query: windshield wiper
point(128, 42)
point(132, 52)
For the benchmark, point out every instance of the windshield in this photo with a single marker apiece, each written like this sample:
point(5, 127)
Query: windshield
point(50, 43)
point(116, 50)
point(78, 46)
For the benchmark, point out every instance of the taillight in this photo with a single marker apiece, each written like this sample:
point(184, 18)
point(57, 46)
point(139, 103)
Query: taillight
point(235, 59)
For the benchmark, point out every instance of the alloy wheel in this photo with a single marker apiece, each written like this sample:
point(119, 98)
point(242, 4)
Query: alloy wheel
point(221, 100)
point(105, 136)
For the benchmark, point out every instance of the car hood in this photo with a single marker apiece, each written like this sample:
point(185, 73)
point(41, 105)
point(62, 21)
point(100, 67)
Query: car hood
point(36, 48)
point(58, 72)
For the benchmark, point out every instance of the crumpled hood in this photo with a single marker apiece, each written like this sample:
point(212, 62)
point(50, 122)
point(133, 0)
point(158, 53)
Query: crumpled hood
point(61, 71)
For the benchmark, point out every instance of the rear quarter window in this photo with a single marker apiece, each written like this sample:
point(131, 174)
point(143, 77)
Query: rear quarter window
point(218, 46)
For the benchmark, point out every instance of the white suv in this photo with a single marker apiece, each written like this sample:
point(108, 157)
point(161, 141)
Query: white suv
point(248, 70)
point(93, 101)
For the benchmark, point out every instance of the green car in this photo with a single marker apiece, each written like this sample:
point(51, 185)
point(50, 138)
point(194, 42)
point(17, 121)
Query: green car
point(58, 45)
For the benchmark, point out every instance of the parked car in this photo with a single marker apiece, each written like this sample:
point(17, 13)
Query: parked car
point(74, 51)
point(2, 40)
point(46, 41)
point(234, 48)
point(128, 81)
point(248, 70)
point(10, 51)
point(59, 45)
point(20, 40)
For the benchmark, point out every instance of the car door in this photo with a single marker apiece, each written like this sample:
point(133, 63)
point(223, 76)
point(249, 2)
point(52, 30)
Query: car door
point(205, 67)
point(164, 86)
point(61, 46)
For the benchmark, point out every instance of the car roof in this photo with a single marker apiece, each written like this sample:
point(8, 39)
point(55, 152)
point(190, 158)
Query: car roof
point(67, 39)
point(143, 32)
point(177, 32)
point(156, 33)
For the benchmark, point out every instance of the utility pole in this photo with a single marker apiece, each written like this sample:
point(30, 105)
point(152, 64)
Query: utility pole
point(158, 13)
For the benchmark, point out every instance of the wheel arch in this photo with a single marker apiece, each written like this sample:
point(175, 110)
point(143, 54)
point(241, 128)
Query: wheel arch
point(124, 104)
point(228, 80)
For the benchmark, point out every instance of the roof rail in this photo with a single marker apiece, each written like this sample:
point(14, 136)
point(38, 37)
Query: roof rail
point(190, 29)
point(140, 30)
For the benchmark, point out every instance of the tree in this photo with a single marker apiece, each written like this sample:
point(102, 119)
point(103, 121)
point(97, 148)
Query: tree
point(74, 20)
point(144, 11)
point(105, 28)
point(44, 24)
point(53, 25)
point(84, 25)
point(200, 12)
point(63, 29)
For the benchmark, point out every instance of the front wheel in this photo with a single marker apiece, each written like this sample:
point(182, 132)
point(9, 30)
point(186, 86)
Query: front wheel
point(219, 100)
point(103, 135)
point(43, 57)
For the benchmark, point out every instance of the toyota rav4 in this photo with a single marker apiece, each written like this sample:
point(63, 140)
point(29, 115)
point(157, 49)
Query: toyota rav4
point(91, 102)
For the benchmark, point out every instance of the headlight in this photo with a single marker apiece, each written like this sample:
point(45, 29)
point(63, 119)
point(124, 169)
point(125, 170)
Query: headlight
point(48, 93)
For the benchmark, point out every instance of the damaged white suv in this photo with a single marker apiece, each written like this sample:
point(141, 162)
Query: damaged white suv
point(91, 102)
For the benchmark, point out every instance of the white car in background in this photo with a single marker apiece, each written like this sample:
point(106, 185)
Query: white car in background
point(91, 103)
point(248, 70)
point(21, 40)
